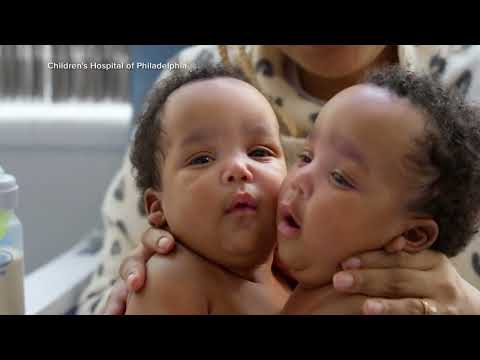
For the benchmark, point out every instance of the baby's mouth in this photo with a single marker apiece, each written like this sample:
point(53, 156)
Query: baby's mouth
point(289, 225)
point(242, 203)
point(291, 222)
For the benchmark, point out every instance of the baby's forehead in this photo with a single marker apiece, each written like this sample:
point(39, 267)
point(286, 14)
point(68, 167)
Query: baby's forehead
point(381, 126)
point(209, 86)
point(366, 97)
point(214, 92)
point(367, 104)
point(218, 104)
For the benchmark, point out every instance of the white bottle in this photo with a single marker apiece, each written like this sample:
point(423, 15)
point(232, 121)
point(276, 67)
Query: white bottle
point(12, 300)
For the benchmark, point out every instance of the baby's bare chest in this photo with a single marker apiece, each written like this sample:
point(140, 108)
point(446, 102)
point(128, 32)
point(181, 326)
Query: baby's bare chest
point(244, 298)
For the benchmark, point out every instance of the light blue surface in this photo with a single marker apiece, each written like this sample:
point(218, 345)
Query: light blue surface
point(142, 80)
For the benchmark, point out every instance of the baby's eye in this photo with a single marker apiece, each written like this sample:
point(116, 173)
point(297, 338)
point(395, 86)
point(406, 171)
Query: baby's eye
point(305, 157)
point(340, 180)
point(260, 152)
point(201, 160)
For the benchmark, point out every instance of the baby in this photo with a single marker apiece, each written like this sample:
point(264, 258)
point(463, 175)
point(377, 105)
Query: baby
point(392, 163)
point(208, 159)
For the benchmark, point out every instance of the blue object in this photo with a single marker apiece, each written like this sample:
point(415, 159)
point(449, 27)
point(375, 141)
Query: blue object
point(142, 80)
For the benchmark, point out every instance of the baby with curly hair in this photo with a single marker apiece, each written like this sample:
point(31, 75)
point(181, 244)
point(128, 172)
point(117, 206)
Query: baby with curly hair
point(392, 163)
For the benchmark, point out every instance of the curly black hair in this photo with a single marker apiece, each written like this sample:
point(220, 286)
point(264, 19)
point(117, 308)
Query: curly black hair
point(148, 148)
point(447, 157)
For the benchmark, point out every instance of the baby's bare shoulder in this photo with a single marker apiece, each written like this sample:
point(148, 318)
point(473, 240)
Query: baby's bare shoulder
point(173, 286)
point(182, 265)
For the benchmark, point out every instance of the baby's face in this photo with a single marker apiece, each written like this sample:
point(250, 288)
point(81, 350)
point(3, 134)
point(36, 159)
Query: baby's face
point(223, 169)
point(347, 192)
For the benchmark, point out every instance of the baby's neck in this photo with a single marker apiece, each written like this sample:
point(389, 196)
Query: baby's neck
point(259, 274)
point(262, 273)
point(308, 300)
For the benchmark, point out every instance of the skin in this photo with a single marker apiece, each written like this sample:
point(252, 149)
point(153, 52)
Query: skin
point(221, 142)
point(349, 191)
point(387, 283)
point(325, 70)
point(350, 188)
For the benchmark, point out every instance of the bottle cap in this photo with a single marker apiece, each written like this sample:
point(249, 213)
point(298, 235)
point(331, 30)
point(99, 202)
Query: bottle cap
point(8, 191)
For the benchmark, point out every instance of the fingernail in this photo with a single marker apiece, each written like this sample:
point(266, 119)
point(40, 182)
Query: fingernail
point(352, 263)
point(374, 307)
point(343, 280)
point(163, 243)
point(131, 279)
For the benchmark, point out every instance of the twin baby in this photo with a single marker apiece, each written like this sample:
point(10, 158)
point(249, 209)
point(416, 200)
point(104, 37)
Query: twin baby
point(392, 163)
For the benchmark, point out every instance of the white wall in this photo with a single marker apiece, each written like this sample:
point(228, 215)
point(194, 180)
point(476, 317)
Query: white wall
point(63, 158)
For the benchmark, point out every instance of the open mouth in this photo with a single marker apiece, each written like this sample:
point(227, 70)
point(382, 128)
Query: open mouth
point(291, 221)
point(288, 225)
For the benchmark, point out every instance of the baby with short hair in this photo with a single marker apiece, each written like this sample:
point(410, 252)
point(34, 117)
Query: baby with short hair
point(392, 163)
point(209, 162)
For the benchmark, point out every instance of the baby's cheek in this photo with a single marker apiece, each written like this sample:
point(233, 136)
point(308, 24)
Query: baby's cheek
point(274, 184)
point(184, 203)
point(199, 188)
point(328, 241)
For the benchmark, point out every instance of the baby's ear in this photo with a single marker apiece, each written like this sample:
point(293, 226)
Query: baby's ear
point(153, 206)
point(420, 235)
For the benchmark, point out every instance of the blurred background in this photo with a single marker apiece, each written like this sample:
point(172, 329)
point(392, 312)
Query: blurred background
point(63, 134)
point(26, 75)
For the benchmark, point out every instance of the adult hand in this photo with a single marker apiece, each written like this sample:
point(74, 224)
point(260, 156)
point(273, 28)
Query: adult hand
point(403, 283)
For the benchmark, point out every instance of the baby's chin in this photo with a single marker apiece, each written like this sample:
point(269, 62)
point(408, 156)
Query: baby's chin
point(312, 277)
point(245, 262)
point(302, 269)
point(247, 252)
point(288, 262)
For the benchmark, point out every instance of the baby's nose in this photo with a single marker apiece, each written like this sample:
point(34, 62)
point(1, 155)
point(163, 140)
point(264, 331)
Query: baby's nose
point(237, 172)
